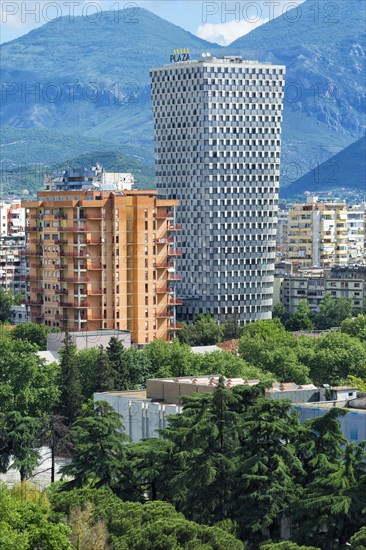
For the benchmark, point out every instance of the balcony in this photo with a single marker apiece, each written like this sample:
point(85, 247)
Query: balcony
point(175, 227)
point(93, 242)
point(98, 216)
point(61, 291)
point(174, 252)
point(61, 241)
point(34, 302)
point(95, 317)
point(175, 302)
point(174, 277)
point(36, 290)
point(164, 265)
point(95, 292)
point(165, 240)
point(164, 315)
point(74, 280)
point(177, 326)
point(164, 215)
point(162, 290)
point(32, 228)
point(67, 304)
point(94, 266)
point(60, 217)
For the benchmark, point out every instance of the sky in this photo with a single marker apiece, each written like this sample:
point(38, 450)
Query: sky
point(216, 21)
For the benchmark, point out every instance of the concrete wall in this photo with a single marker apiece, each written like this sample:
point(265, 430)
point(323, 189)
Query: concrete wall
point(84, 340)
point(141, 418)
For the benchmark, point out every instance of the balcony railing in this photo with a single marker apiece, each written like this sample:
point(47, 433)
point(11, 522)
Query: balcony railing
point(98, 216)
point(95, 292)
point(163, 314)
point(165, 240)
point(174, 277)
point(74, 280)
point(94, 267)
point(162, 290)
point(175, 302)
point(163, 215)
point(61, 241)
point(174, 252)
point(177, 326)
point(34, 302)
point(175, 227)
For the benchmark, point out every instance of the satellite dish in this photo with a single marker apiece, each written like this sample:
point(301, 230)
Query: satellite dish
point(208, 54)
point(203, 54)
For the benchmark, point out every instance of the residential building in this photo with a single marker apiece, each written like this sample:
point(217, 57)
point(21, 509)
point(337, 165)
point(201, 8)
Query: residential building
point(12, 243)
point(217, 128)
point(317, 234)
point(356, 234)
point(103, 260)
point(95, 177)
point(312, 285)
point(88, 339)
point(18, 314)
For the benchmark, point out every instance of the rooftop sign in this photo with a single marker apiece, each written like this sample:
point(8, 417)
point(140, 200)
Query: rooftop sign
point(180, 55)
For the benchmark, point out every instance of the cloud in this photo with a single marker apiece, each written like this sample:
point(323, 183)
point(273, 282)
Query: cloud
point(225, 33)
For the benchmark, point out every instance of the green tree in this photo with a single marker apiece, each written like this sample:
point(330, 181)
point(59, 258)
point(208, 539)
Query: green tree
point(231, 330)
point(325, 513)
point(333, 311)
point(267, 481)
point(18, 443)
point(71, 397)
point(119, 363)
point(25, 525)
point(6, 301)
point(358, 540)
point(100, 452)
point(27, 384)
point(104, 373)
point(204, 441)
point(87, 361)
point(34, 333)
point(336, 356)
point(355, 327)
point(302, 319)
point(279, 312)
point(203, 332)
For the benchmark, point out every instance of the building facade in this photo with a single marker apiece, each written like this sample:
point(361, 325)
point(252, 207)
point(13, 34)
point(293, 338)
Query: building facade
point(322, 234)
point(103, 260)
point(217, 128)
point(12, 245)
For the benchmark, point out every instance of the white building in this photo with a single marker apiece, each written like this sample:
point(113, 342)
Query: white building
point(217, 142)
point(83, 178)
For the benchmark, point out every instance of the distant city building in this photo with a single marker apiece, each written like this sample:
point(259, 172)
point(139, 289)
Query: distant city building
point(88, 339)
point(18, 314)
point(88, 178)
point(12, 244)
point(217, 128)
point(339, 282)
point(322, 234)
point(103, 260)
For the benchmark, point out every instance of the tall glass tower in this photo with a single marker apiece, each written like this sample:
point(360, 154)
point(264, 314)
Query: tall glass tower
point(217, 128)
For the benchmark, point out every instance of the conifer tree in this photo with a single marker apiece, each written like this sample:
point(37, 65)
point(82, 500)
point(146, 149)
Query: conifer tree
point(268, 470)
point(104, 374)
point(119, 364)
point(100, 451)
point(71, 396)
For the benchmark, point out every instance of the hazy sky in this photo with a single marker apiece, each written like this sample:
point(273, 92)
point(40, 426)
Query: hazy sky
point(215, 21)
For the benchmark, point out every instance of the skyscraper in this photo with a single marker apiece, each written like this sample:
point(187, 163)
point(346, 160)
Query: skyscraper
point(217, 144)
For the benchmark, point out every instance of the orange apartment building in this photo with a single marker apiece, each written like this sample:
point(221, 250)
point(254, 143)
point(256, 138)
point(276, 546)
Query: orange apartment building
point(103, 260)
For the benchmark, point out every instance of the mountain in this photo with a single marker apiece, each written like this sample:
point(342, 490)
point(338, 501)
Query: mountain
point(346, 170)
point(87, 82)
point(323, 47)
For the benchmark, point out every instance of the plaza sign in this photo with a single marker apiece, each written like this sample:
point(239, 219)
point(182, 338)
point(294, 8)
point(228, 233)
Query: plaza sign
point(180, 55)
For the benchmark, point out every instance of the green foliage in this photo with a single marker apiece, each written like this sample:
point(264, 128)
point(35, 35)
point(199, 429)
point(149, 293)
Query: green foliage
point(302, 319)
point(285, 545)
point(100, 451)
point(6, 301)
point(267, 345)
point(27, 384)
point(87, 361)
point(25, 525)
point(358, 540)
point(104, 375)
point(336, 356)
point(355, 327)
point(204, 331)
point(70, 388)
point(33, 333)
point(333, 311)
point(18, 442)
point(279, 312)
